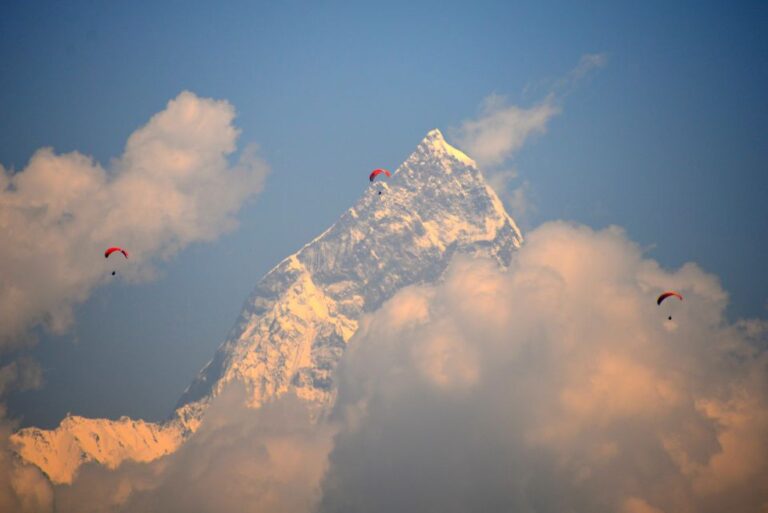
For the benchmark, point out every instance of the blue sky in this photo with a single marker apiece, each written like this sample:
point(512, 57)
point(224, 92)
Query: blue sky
point(667, 140)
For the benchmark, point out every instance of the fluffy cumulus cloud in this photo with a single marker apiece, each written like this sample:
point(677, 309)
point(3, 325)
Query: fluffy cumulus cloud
point(173, 185)
point(558, 385)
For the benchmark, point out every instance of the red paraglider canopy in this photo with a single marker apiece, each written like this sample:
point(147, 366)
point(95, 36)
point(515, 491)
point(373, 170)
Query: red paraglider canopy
point(667, 294)
point(377, 172)
point(113, 249)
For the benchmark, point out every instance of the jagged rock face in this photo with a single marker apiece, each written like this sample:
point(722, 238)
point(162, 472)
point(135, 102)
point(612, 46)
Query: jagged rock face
point(295, 325)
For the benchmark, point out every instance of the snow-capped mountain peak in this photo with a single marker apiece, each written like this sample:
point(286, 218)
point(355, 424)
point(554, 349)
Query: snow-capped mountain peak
point(434, 144)
point(297, 322)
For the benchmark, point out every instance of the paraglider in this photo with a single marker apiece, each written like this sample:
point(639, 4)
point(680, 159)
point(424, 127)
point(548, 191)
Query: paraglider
point(377, 172)
point(665, 295)
point(115, 249)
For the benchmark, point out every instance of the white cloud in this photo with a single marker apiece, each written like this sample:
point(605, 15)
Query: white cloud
point(501, 129)
point(553, 387)
point(172, 186)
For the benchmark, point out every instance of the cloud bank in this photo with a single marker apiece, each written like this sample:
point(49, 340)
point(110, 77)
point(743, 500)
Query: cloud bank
point(172, 186)
point(556, 385)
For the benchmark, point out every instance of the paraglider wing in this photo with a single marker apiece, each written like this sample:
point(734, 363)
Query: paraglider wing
point(114, 249)
point(667, 294)
point(377, 172)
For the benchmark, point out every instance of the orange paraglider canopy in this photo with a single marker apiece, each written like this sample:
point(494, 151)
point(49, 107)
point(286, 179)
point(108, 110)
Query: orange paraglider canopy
point(667, 294)
point(113, 249)
point(377, 172)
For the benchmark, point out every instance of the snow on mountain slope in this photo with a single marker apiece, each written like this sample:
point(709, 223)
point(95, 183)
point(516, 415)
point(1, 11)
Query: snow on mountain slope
point(295, 325)
point(77, 440)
